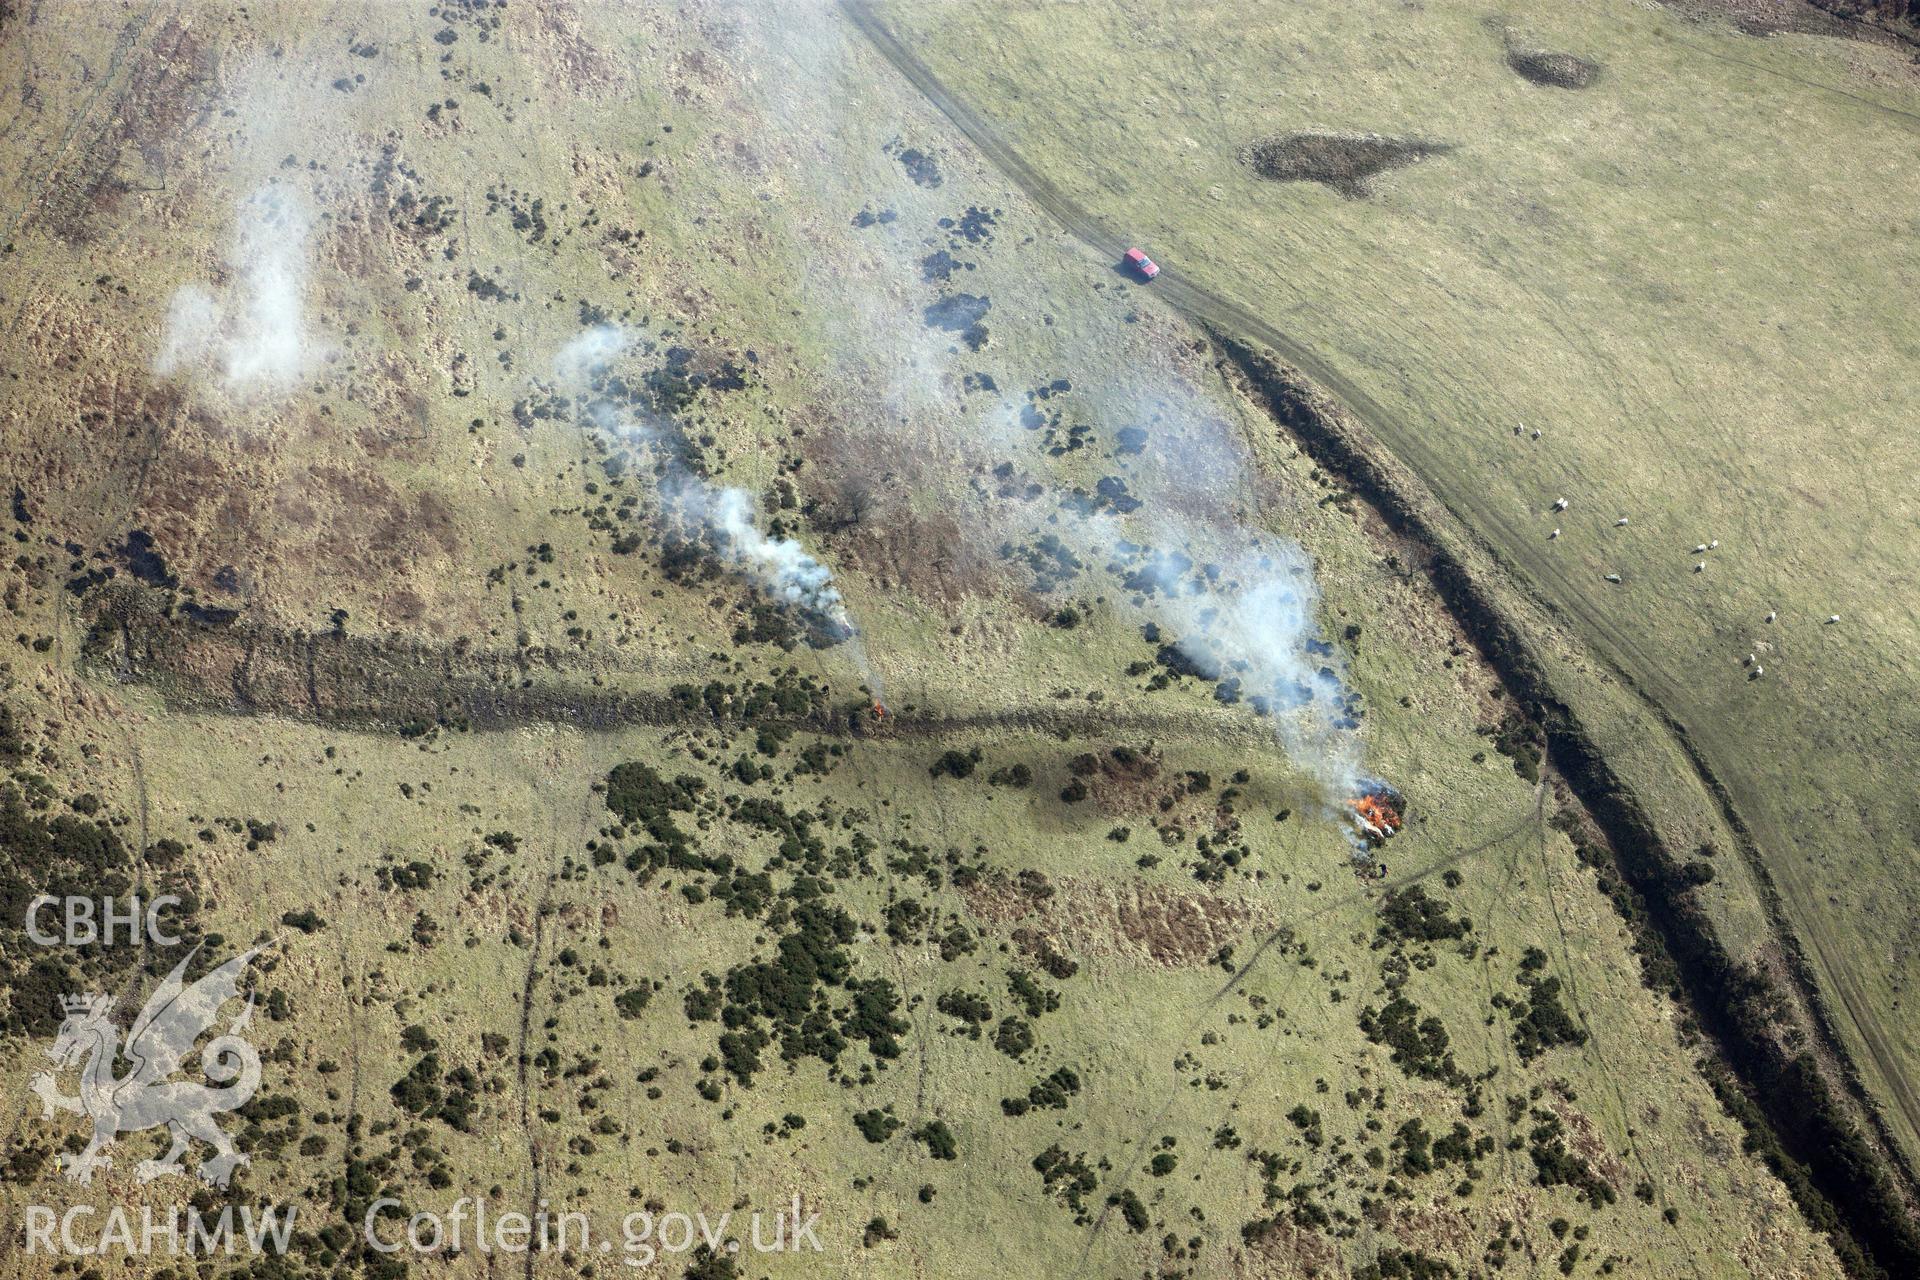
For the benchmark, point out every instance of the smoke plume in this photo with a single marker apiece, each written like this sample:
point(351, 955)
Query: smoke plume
point(1237, 604)
point(258, 337)
point(786, 571)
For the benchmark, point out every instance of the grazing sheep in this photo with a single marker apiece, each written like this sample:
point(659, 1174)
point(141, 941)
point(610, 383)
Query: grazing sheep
point(1553, 535)
point(1701, 567)
point(1714, 545)
point(1613, 577)
point(1832, 618)
point(1536, 433)
point(1748, 662)
point(1700, 550)
point(1757, 673)
point(1559, 504)
point(1617, 523)
point(1772, 614)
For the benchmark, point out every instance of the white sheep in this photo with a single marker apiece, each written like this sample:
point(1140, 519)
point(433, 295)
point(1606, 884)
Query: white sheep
point(1613, 577)
point(1559, 504)
point(1700, 550)
point(1748, 662)
point(1553, 535)
point(1621, 521)
point(1832, 618)
point(1536, 433)
point(1714, 545)
point(1772, 614)
point(1701, 567)
point(1757, 673)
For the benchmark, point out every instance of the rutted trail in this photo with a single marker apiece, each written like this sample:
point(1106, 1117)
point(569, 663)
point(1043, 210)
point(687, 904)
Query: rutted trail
point(1492, 540)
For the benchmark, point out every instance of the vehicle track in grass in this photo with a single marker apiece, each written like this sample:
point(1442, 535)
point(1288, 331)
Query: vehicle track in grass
point(1280, 935)
point(1516, 557)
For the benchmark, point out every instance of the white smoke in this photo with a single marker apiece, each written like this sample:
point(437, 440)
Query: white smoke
point(780, 566)
point(258, 338)
point(589, 354)
point(193, 321)
point(1251, 610)
point(1254, 628)
point(1254, 618)
point(267, 341)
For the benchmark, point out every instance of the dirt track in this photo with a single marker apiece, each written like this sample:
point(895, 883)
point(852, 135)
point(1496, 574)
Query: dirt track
point(1638, 669)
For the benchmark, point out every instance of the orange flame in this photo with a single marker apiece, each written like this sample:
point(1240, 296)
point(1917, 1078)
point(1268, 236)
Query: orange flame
point(1376, 815)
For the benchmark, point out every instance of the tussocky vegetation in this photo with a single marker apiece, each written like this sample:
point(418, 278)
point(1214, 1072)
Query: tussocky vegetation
point(628, 555)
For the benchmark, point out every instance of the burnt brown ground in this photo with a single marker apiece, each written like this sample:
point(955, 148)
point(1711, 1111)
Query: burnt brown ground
point(1345, 162)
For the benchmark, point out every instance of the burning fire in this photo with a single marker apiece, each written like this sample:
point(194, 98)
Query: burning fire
point(1375, 815)
point(879, 711)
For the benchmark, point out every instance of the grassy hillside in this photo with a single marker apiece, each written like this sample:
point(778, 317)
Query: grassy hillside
point(1201, 1011)
point(1672, 273)
point(586, 878)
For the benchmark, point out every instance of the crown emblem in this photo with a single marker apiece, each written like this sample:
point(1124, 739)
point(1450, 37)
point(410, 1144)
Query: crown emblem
point(79, 1003)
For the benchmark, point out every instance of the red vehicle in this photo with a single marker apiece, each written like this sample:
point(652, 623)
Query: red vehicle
point(1139, 261)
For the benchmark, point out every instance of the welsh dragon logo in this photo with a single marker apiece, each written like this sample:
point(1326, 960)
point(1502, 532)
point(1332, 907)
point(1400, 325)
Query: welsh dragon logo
point(161, 1039)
